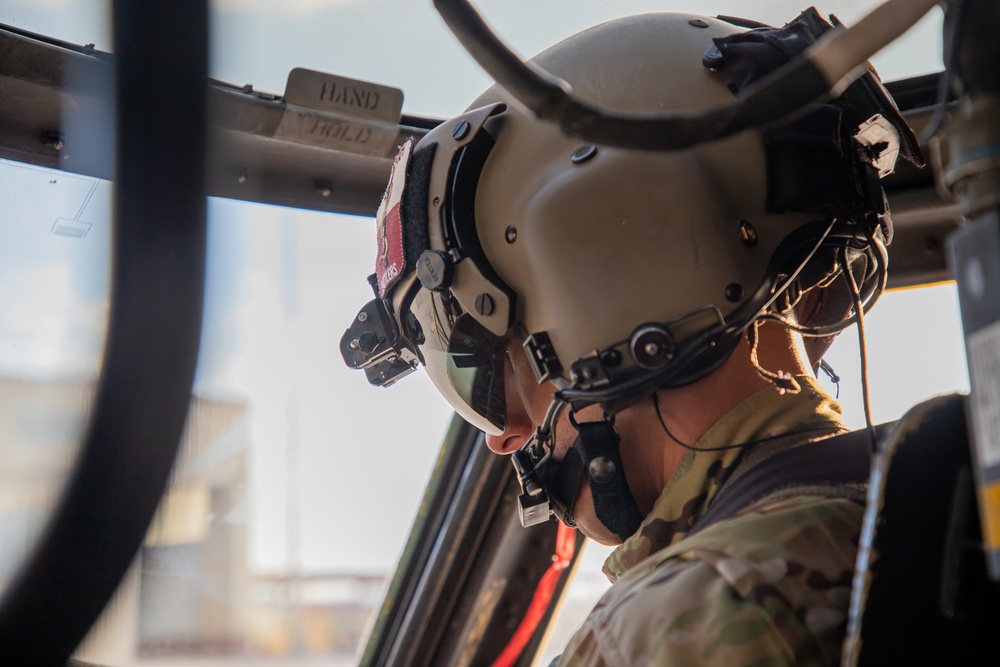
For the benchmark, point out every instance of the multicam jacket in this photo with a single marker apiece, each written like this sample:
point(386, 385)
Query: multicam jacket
point(767, 587)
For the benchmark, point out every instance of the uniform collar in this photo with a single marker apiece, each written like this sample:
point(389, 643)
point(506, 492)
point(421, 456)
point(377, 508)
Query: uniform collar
point(700, 475)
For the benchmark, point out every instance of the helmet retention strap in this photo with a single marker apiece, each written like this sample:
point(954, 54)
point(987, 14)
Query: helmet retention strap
point(614, 504)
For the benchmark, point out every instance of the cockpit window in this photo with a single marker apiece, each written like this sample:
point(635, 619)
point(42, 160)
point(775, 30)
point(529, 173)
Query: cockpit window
point(53, 317)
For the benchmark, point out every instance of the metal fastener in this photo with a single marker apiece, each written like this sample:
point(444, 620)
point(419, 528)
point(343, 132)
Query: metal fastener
point(602, 469)
point(748, 234)
point(484, 305)
point(362, 316)
point(651, 346)
point(734, 292)
point(698, 23)
point(324, 188)
point(611, 358)
point(53, 138)
point(583, 153)
point(511, 233)
point(461, 130)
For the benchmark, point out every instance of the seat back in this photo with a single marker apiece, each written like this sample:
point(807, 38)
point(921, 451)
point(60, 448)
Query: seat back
point(920, 594)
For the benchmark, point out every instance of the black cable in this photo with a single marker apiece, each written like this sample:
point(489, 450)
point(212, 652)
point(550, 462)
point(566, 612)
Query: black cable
point(721, 448)
point(702, 343)
point(880, 255)
point(825, 366)
point(859, 311)
point(777, 95)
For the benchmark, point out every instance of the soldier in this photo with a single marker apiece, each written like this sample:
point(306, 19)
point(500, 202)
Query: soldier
point(628, 324)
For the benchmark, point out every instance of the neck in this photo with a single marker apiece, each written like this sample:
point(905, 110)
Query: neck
point(688, 412)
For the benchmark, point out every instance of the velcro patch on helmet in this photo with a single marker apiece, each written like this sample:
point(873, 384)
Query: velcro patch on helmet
point(391, 260)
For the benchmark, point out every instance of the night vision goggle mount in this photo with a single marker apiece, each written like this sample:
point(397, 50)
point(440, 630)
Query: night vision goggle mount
point(373, 343)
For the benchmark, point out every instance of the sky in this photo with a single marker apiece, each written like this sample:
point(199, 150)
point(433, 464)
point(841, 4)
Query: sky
point(283, 285)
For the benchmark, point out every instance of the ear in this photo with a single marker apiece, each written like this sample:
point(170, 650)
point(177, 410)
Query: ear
point(816, 348)
point(805, 310)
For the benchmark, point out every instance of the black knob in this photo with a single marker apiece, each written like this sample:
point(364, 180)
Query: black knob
point(434, 270)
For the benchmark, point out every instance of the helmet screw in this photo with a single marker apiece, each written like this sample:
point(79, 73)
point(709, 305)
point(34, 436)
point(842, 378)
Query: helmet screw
point(602, 469)
point(484, 305)
point(698, 23)
point(583, 153)
point(362, 316)
point(511, 233)
point(734, 292)
point(611, 358)
point(748, 234)
point(461, 130)
point(652, 349)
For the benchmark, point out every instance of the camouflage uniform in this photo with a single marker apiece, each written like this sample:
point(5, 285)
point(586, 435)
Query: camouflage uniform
point(767, 587)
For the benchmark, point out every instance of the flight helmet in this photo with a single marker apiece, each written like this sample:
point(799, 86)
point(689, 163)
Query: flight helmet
point(625, 270)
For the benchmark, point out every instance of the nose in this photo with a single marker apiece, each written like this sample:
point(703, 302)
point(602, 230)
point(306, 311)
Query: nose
point(518, 427)
point(513, 437)
point(517, 396)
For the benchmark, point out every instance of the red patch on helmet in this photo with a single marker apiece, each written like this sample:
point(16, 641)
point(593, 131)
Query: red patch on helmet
point(391, 260)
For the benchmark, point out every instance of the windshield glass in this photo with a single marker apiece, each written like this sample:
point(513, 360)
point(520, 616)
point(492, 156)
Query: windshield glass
point(53, 315)
point(298, 481)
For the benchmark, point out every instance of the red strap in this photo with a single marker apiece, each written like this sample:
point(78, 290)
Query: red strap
point(565, 545)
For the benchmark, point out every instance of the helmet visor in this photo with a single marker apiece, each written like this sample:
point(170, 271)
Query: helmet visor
point(464, 360)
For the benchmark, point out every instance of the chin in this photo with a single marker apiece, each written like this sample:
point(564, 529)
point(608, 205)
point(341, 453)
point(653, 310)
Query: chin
point(600, 535)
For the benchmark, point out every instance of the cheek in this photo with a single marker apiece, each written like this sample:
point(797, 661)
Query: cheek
point(523, 392)
point(565, 437)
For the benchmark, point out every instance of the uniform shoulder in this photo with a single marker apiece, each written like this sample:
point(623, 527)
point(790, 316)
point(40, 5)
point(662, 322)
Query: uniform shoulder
point(768, 586)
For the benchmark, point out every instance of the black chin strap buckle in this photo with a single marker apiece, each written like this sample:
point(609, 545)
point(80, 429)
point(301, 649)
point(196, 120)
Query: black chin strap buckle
point(551, 487)
point(533, 505)
point(533, 463)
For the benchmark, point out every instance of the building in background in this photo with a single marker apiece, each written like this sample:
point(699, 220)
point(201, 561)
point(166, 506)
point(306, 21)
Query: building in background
point(190, 598)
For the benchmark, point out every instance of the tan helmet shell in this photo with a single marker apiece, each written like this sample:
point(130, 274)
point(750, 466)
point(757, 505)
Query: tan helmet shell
point(626, 237)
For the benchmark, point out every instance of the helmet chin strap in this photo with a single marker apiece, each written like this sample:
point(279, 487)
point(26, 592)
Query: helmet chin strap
point(552, 486)
point(598, 447)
